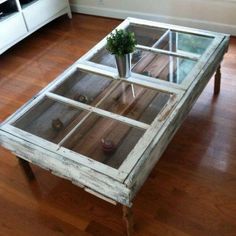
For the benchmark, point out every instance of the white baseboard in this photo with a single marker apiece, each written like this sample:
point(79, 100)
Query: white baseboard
point(122, 14)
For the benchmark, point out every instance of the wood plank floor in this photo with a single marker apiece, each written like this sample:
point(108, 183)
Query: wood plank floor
point(191, 191)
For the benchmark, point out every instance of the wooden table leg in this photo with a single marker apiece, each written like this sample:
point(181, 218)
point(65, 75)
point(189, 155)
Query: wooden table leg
point(217, 81)
point(26, 168)
point(128, 219)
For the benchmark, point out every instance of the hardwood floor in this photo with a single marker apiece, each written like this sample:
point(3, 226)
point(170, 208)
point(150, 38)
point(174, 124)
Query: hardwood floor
point(192, 189)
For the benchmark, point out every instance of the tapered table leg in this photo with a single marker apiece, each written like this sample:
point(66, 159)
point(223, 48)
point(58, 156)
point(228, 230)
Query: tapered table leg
point(217, 81)
point(25, 166)
point(128, 219)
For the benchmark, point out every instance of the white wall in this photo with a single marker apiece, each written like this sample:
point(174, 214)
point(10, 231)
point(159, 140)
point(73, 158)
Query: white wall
point(217, 15)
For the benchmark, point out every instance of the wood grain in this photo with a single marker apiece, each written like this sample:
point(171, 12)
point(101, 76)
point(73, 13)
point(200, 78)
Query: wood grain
point(191, 191)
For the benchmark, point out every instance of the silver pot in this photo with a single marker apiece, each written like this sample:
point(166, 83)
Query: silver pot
point(123, 64)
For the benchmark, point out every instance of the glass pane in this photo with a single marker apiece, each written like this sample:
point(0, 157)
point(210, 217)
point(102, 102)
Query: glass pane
point(146, 35)
point(50, 120)
point(192, 43)
point(105, 140)
point(84, 87)
point(169, 68)
point(103, 57)
point(184, 42)
point(136, 102)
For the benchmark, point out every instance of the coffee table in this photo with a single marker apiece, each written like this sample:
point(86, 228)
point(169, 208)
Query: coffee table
point(105, 133)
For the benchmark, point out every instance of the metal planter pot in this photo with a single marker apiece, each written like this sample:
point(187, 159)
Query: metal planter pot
point(123, 64)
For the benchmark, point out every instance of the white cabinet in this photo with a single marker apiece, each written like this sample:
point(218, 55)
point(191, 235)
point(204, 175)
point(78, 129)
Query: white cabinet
point(19, 18)
point(11, 29)
point(41, 11)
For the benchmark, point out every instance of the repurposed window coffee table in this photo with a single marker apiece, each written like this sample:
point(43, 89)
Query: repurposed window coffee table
point(105, 133)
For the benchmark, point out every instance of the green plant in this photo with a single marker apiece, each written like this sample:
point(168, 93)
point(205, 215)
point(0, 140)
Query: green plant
point(121, 42)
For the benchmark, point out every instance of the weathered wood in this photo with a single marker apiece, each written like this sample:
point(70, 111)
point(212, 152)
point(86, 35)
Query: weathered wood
point(40, 122)
point(156, 83)
point(139, 79)
point(128, 220)
point(68, 154)
point(132, 100)
point(137, 152)
point(217, 81)
point(67, 168)
point(67, 210)
point(120, 184)
point(75, 128)
point(204, 60)
point(97, 70)
point(144, 142)
point(101, 112)
point(216, 37)
point(162, 40)
point(158, 66)
point(168, 53)
point(88, 141)
point(154, 24)
point(152, 154)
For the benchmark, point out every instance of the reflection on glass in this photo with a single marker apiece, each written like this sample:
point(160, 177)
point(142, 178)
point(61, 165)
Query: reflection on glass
point(84, 87)
point(192, 43)
point(169, 68)
point(170, 40)
point(136, 102)
point(146, 35)
point(50, 120)
point(156, 65)
point(105, 140)
point(182, 42)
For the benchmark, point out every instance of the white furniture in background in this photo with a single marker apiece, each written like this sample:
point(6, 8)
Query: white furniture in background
point(27, 18)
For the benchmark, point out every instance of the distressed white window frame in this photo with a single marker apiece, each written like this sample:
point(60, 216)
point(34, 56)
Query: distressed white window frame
point(153, 131)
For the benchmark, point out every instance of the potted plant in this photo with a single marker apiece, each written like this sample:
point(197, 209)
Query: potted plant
point(122, 44)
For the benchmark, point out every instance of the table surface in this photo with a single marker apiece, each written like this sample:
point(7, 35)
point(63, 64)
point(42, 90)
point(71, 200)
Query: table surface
point(99, 130)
